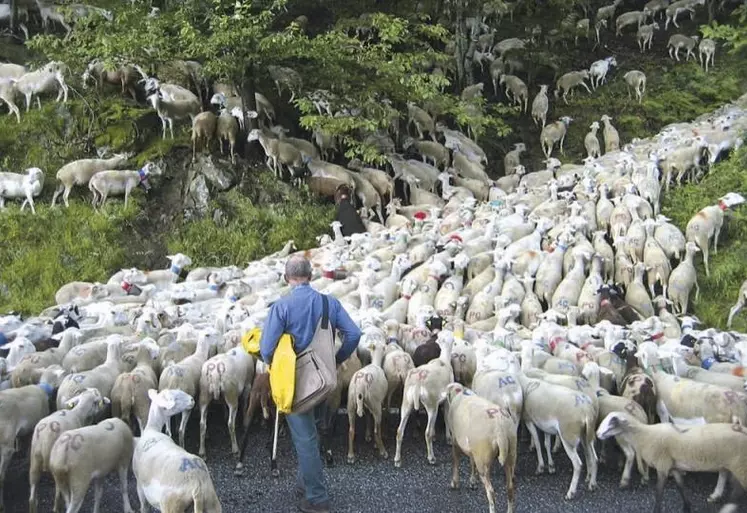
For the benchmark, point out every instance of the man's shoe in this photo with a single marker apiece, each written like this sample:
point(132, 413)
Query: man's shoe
point(306, 507)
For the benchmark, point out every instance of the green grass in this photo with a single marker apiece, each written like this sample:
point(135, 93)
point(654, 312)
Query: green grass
point(729, 267)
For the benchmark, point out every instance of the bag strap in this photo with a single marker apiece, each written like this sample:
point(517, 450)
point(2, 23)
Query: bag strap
point(325, 312)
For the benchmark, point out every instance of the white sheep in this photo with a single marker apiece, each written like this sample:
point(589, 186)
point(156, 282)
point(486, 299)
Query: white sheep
point(707, 48)
point(20, 410)
point(611, 137)
point(90, 453)
point(49, 78)
point(645, 35)
point(481, 431)
point(591, 142)
point(672, 449)
point(8, 95)
point(516, 90)
point(168, 477)
point(129, 395)
point(368, 388)
point(554, 133)
point(741, 301)
point(230, 375)
point(599, 69)
point(707, 224)
point(118, 182)
point(79, 172)
point(678, 41)
point(79, 411)
point(636, 80)
point(15, 185)
point(170, 109)
point(424, 385)
point(185, 375)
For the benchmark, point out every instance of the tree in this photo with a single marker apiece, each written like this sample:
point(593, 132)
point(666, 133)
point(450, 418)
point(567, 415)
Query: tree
point(370, 64)
point(735, 36)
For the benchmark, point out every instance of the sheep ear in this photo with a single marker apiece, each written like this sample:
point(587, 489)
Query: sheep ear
point(106, 400)
point(152, 394)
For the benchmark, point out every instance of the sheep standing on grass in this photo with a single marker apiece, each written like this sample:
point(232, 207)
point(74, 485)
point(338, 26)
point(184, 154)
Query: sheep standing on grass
point(707, 224)
point(8, 95)
point(599, 69)
point(707, 48)
point(49, 78)
point(228, 129)
point(591, 142)
point(80, 411)
point(554, 133)
point(672, 449)
point(203, 130)
point(170, 109)
point(540, 106)
point(636, 80)
point(90, 453)
point(15, 185)
point(119, 182)
point(79, 172)
point(741, 301)
point(481, 431)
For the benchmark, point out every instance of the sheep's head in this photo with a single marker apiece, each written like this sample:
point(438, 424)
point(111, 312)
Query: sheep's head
point(613, 424)
point(171, 401)
point(179, 260)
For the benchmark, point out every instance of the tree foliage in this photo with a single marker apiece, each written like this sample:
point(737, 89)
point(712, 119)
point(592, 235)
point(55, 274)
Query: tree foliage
point(370, 64)
point(734, 36)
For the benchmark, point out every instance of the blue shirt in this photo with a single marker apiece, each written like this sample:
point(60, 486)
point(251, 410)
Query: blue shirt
point(298, 314)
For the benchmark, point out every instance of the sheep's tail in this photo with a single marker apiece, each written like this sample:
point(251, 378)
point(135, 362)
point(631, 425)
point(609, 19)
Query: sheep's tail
point(647, 399)
point(507, 447)
point(359, 404)
point(415, 396)
point(214, 382)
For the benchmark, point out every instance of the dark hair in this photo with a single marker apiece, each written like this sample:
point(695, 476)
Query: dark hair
point(435, 323)
point(343, 192)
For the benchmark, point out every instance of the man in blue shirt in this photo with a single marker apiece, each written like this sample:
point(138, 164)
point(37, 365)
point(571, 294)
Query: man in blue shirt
point(298, 314)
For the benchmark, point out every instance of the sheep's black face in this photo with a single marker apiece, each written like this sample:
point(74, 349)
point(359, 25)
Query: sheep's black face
point(621, 350)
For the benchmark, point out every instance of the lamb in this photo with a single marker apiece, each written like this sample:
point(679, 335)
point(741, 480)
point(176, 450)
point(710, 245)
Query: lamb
point(74, 466)
point(629, 18)
point(599, 69)
point(168, 477)
point(129, 394)
point(678, 41)
point(79, 172)
point(227, 129)
point(424, 385)
point(707, 224)
point(20, 410)
point(185, 375)
point(741, 301)
point(481, 431)
point(170, 109)
point(104, 183)
point(368, 388)
point(645, 35)
point(571, 416)
point(552, 133)
point(15, 185)
point(673, 449)
point(80, 411)
point(591, 142)
point(519, 92)
point(47, 79)
point(682, 279)
point(636, 80)
point(611, 137)
point(540, 106)
point(229, 374)
point(513, 157)
point(203, 129)
point(707, 48)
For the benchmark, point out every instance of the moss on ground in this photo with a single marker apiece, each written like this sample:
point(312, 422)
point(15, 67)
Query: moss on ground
point(729, 266)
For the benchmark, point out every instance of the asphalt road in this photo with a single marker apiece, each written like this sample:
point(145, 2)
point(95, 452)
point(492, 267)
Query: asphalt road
point(372, 485)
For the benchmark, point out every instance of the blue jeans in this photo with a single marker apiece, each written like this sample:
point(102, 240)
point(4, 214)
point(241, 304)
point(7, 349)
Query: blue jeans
point(310, 475)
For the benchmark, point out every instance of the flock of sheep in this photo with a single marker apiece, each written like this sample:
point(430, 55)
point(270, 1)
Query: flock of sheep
point(565, 295)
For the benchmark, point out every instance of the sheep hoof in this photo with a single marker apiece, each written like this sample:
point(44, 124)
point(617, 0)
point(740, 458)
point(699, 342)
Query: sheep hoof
point(540, 470)
point(551, 469)
point(473, 484)
point(570, 496)
point(351, 459)
point(624, 484)
point(239, 470)
point(714, 498)
point(275, 472)
point(397, 463)
point(432, 460)
point(384, 454)
point(454, 485)
point(592, 487)
point(368, 438)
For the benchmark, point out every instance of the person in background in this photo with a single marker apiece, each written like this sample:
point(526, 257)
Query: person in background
point(346, 213)
point(298, 314)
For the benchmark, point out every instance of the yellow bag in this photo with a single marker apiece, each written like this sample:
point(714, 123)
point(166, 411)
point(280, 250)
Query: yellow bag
point(282, 370)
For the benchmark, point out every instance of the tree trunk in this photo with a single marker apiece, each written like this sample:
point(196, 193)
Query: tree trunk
point(248, 90)
point(13, 15)
point(460, 44)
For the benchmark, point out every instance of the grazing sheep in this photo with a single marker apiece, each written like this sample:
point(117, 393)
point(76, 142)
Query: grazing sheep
point(481, 431)
point(672, 449)
point(203, 129)
point(15, 185)
point(678, 41)
point(645, 35)
point(554, 133)
point(104, 183)
point(90, 453)
point(125, 75)
point(279, 153)
point(591, 142)
point(636, 80)
point(516, 90)
point(80, 411)
point(540, 106)
point(79, 172)
point(170, 109)
point(707, 48)
point(629, 18)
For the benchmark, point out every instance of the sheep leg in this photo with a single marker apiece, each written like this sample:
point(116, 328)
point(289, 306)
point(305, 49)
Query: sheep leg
point(203, 426)
point(183, 426)
point(572, 453)
point(35, 471)
point(77, 489)
point(456, 453)
point(376, 414)
point(587, 87)
point(718, 492)
point(404, 414)
point(369, 422)
point(38, 103)
point(591, 463)
point(556, 446)
point(680, 481)
point(351, 431)
point(734, 311)
point(550, 461)
point(98, 492)
point(430, 432)
point(141, 498)
point(232, 410)
point(629, 456)
point(535, 440)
